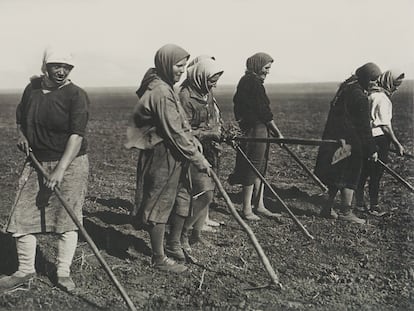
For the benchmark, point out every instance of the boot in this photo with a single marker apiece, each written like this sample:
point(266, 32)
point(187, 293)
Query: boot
point(15, 280)
point(65, 283)
point(167, 264)
point(26, 253)
point(173, 249)
point(196, 238)
point(346, 214)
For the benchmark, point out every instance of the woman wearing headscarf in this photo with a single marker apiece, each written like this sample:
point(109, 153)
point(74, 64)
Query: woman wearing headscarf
point(51, 121)
point(163, 135)
point(252, 112)
point(209, 223)
point(205, 119)
point(348, 121)
point(381, 114)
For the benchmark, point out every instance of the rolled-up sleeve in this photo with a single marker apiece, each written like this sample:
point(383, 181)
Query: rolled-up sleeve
point(381, 113)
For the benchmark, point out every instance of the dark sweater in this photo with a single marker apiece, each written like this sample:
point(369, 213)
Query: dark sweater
point(251, 104)
point(49, 119)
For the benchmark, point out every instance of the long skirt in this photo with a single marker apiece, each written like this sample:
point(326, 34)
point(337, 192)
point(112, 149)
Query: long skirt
point(345, 173)
point(37, 209)
point(159, 179)
point(256, 152)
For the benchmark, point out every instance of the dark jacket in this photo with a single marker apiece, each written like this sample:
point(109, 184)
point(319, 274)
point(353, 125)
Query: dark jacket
point(251, 104)
point(348, 119)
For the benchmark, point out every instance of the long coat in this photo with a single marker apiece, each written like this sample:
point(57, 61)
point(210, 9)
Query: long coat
point(348, 119)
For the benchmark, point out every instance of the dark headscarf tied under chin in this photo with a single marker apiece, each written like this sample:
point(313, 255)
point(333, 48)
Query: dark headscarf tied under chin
point(366, 73)
point(256, 62)
point(165, 58)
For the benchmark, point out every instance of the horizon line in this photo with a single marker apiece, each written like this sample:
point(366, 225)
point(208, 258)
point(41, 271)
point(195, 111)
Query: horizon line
point(16, 89)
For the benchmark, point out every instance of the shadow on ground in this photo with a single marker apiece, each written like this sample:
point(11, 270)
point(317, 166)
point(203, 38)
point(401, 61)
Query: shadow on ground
point(113, 231)
point(291, 193)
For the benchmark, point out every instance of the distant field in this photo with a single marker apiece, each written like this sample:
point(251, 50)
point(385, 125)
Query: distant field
point(346, 267)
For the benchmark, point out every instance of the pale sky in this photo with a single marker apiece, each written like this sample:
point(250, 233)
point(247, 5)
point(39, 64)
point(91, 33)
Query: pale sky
point(114, 42)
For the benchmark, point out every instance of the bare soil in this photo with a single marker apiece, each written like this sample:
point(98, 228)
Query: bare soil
point(346, 266)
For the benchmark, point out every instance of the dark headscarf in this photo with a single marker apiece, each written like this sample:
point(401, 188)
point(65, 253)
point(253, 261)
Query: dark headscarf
point(363, 75)
point(256, 62)
point(165, 58)
point(366, 73)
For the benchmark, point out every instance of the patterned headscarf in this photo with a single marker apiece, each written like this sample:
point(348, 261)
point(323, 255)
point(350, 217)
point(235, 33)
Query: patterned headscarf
point(388, 82)
point(199, 59)
point(165, 58)
point(200, 72)
point(256, 62)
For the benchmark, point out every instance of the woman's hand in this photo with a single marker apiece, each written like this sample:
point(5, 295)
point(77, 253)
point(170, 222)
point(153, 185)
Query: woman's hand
point(400, 149)
point(23, 143)
point(206, 167)
point(276, 134)
point(55, 179)
point(374, 157)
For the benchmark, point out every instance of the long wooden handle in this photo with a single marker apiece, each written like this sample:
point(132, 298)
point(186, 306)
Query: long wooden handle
point(274, 193)
point(396, 176)
point(297, 141)
point(307, 170)
point(257, 246)
point(86, 236)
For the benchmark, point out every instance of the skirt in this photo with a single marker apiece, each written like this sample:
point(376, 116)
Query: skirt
point(37, 209)
point(160, 180)
point(256, 152)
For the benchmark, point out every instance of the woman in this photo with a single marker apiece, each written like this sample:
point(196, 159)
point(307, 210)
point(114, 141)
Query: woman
point(348, 121)
point(255, 118)
point(51, 121)
point(381, 115)
point(208, 223)
point(205, 120)
point(167, 147)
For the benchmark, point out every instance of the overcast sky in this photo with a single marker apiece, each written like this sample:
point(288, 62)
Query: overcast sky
point(114, 42)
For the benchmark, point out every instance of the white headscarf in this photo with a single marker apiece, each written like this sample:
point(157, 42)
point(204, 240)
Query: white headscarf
point(200, 72)
point(52, 55)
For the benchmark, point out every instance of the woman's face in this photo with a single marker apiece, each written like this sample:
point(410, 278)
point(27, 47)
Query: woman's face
point(265, 71)
point(58, 72)
point(178, 69)
point(212, 81)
